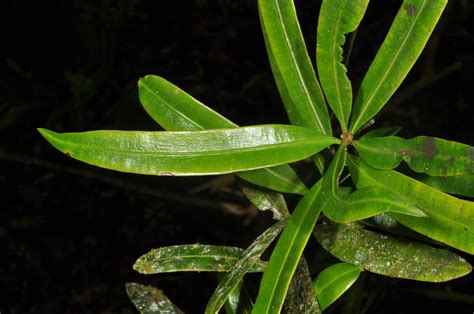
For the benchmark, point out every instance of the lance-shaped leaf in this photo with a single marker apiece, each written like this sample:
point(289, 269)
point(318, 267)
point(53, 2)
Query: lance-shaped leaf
point(460, 185)
point(286, 255)
point(191, 153)
point(291, 65)
point(449, 220)
point(332, 282)
point(175, 110)
point(433, 156)
point(341, 206)
point(336, 19)
point(405, 40)
point(267, 200)
point(242, 266)
point(192, 257)
point(149, 300)
point(390, 256)
point(380, 132)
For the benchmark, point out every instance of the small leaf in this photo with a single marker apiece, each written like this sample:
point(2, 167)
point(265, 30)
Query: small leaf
point(175, 110)
point(149, 300)
point(242, 266)
point(405, 40)
point(267, 200)
point(380, 132)
point(336, 19)
point(460, 185)
point(341, 206)
point(286, 255)
point(291, 65)
point(332, 282)
point(192, 257)
point(433, 156)
point(191, 153)
point(390, 256)
point(449, 220)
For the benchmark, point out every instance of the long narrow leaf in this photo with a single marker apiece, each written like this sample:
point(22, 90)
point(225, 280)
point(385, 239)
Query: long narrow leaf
point(286, 255)
point(242, 266)
point(405, 40)
point(449, 220)
point(291, 65)
point(390, 256)
point(191, 153)
point(433, 156)
point(333, 281)
point(192, 257)
point(336, 19)
point(364, 203)
point(175, 110)
point(149, 300)
point(460, 185)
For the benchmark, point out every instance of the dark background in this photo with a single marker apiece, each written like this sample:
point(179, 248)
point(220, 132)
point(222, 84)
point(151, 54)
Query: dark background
point(70, 233)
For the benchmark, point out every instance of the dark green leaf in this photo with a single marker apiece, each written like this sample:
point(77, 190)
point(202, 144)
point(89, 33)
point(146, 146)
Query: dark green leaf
point(191, 153)
point(449, 220)
point(460, 185)
point(149, 300)
point(332, 282)
point(405, 40)
point(242, 266)
point(267, 200)
point(336, 19)
point(434, 156)
point(380, 132)
point(341, 206)
point(291, 65)
point(286, 255)
point(175, 110)
point(390, 256)
point(192, 257)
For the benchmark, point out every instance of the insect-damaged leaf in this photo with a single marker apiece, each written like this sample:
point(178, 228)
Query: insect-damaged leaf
point(433, 156)
point(192, 257)
point(405, 40)
point(149, 300)
point(337, 18)
point(341, 206)
point(191, 153)
point(449, 220)
point(175, 110)
point(390, 256)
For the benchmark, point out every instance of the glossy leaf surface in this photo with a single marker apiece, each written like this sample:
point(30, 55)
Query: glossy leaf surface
point(336, 19)
point(291, 65)
point(433, 156)
point(286, 255)
point(175, 110)
point(191, 153)
point(267, 200)
point(242, 266)
point(149, 300)
point(390, 256)
point(460, 185)
point(332, 282)
point(449, 220)
point(341, 206)
point(192, 257)
point(405, 40)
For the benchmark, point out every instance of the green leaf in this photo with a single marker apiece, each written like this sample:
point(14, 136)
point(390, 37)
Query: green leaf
point(149, 300)
point(286, 255)
point(191, 153)
point(341, 206)
point(332, 282)
point(390, 256)
point(267, 200)
point(192, 257)
point(380, 132)
point(449, 220)
point(434, 156)
point(239, 301)
point(291, 65)
point(175, 110)
point(460, 185)
point(301, 297)
point(336, 19)
point(405, 40)
point(242, 266)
